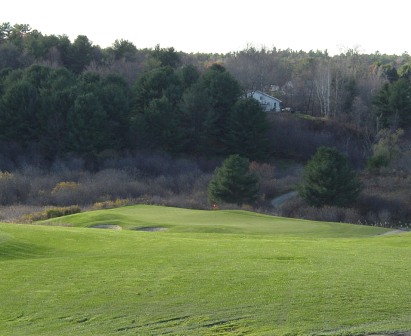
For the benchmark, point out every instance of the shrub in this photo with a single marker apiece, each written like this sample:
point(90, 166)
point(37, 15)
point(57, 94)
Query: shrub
point(62, 211)
point(385, 150)
point(62, 186)
point(50, 213)
point(14, 188)
point(118, 203)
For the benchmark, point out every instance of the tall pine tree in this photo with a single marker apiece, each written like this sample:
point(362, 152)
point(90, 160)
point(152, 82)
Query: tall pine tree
point(247, 130)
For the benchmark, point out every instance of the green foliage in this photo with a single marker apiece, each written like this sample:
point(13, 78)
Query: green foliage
point(115, 97)
point(18, 112)
point(393, 104)
point(247, 130)
point(189, 75)
point(223, 92)
point(160, 126)
point(155, 84)
point(5, 31)
point(87, 122)
point(63, 112)
point(62, 211)
point(385, 150)
point(166, 56)
point(80, 54)
point(329, 180)
point(201, 97)
point(53, 120)
point(124, 49)
point(233, 182)
point(194, 106)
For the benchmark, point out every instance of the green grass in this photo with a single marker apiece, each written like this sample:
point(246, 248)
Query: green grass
point(210, 273)
point(184, 220)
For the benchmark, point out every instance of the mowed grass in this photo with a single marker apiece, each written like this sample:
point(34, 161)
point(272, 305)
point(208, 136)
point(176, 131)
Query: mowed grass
point(185, 220)
point(210, 273)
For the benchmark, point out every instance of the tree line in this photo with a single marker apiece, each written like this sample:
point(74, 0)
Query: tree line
point(75, 97)
point(67, 99)
point(170, 107)
point(176, 110)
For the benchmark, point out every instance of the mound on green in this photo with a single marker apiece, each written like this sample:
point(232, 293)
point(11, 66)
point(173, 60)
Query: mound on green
point(228, 221)
point(189, 280)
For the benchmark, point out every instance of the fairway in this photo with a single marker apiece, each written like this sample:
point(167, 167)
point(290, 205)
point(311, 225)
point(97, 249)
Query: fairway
point(205, 273)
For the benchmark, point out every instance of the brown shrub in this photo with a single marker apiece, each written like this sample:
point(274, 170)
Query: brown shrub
point(14, 188)
point(113, 204)
point(50, 213)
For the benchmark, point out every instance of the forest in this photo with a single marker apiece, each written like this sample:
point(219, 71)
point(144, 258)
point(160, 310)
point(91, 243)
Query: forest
point(87, 126)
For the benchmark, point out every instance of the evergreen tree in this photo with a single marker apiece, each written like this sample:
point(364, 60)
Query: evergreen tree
point(233, 183)
point(87, 122)
point(18, 113)
point(124, 49)
point(57, 98)
point(160, 126)
point(166, 56)
point(223, 92)
point(115, 97)
point(80, 54)
point(188, 75)
point(247, 130)
point(329, 180)
point(393, 104)
point(195, 105)
point(155, 84)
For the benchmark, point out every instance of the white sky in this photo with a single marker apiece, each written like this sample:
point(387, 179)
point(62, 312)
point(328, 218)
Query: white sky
point(224, 25)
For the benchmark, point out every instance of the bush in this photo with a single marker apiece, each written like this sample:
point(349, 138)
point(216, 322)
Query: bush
point(51, 213)
point(63, 211)
point(14, 188)
point(62, 186)
point(296, 208)
point(385, 150)
point(118, 203)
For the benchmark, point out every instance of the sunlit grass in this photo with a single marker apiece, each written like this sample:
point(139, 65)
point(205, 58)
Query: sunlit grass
point(185, 220)
point(257, 277)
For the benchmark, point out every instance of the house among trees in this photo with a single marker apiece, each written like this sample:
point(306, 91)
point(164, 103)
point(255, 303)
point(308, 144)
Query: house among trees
point(268, 103)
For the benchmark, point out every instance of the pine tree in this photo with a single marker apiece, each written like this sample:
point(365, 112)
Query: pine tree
point(233, 183)
point(329, 180)
point(247, 130)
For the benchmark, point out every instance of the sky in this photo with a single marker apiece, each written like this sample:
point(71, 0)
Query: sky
point(221, 26)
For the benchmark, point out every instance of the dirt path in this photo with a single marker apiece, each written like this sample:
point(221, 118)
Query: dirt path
point(278, 201)
point(392, 232)
point(394, 334)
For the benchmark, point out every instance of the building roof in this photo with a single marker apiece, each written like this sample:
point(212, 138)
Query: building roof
point(267, 95)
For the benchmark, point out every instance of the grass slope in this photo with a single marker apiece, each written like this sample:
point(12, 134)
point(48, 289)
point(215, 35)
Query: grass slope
point(263, 276)
point(184, 220)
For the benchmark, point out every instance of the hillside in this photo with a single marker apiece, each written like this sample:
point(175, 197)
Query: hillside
point(81, 124)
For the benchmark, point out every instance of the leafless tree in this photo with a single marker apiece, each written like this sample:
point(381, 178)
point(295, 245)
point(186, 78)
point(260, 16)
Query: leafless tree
point(322, 82)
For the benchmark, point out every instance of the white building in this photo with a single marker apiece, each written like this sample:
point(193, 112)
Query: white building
point(269, 103)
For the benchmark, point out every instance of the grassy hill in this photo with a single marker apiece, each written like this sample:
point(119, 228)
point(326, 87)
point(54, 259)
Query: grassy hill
point(184, 220)
point(209, 273)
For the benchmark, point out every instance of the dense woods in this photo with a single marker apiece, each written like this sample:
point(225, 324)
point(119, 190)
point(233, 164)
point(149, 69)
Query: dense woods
point(75, 104)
